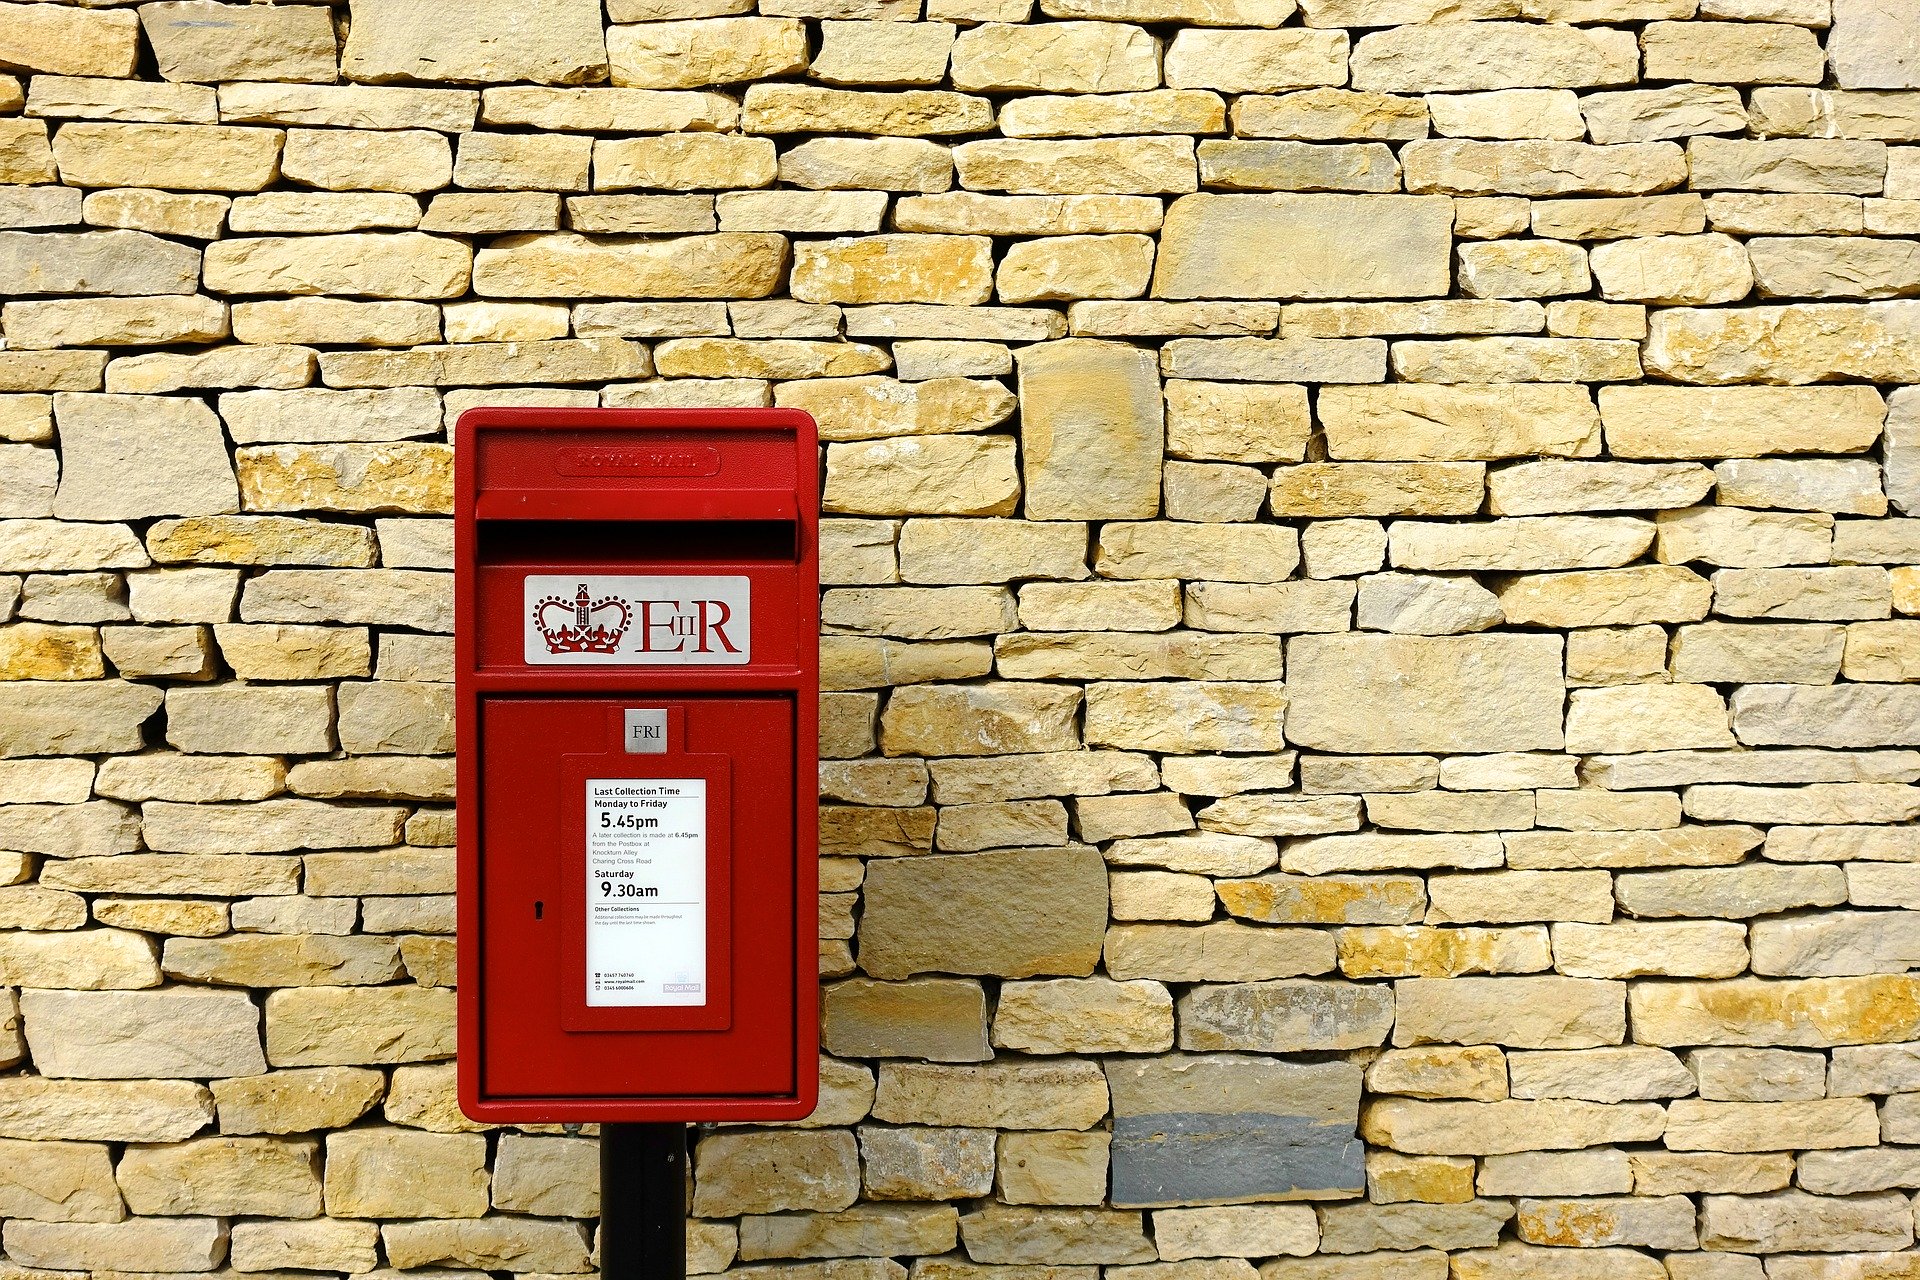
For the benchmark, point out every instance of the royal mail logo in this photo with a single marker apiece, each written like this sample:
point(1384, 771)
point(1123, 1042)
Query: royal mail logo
point(583, 624)
point(609, 460)
point(631, 619)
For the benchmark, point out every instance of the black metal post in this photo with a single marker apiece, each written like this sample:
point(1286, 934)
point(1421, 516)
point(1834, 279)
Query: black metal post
point(643, 1201)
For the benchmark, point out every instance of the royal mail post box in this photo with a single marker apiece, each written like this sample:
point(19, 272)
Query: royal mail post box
point(637, 678)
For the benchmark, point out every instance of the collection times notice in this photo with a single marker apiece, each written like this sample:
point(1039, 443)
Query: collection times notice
point(646, 891)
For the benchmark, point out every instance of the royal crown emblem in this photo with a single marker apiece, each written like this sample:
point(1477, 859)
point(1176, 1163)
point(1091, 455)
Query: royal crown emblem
point(582, 624)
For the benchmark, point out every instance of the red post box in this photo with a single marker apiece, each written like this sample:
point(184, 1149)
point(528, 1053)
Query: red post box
point(637, 680)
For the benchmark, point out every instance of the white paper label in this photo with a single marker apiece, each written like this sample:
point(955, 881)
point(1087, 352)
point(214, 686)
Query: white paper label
point(627, 619)
point(646, 891)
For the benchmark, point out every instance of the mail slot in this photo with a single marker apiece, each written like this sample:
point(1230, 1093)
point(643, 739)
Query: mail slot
point(637, 674)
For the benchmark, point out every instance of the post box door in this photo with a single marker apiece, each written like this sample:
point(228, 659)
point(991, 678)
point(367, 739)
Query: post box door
point(564, 799)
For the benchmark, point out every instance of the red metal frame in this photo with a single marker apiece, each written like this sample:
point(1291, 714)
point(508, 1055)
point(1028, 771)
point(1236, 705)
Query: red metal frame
point(525, 474)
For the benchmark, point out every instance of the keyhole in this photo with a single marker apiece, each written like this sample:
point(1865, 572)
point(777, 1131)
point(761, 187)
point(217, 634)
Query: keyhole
point(539, 910)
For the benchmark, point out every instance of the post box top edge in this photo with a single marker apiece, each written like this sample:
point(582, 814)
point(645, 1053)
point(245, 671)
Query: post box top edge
point(518, 417)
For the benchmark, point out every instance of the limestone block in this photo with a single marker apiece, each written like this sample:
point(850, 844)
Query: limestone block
point(117, 1035)
point(50, 546)
point(1285, 1016)
point(487, 364)
point(1063, 57)
point(1051, 1168)
point(551, 1176)
point(1001, 824)
point(1424, 1264)
point(1067, 267)
point(217, 875)
point(1015, 1235)
point(125, 457)
point(1289, 899)
point(867, 1229)
point(896, 53)
point(1541, 168)
point(1422, 59)
point(1809, 1013)
point(1731, 53)
point(1508, 113)
point(1147, 112)
point(1393, 1178)
point(259, 540)
point(400, 265)
point(1115, 166)
point(1522, 269)
point(1801, 267)
point(488, 1244)
point(1669, 222)
point(138, 1244)
point(891, 164)
point(1683, 270)
point(1378, 488)
point(1849, 486)
point(1220, 952)
point(199, 40)
point(1814, 594)
point(1235, 1231)
point(936, 475)
point(938, 1019)
point(927, 1164)
point(1482, 693)
point(1430, 423)
point(1043, 909)
point(1652, 717)
point(115, 322)
point(1405, 251)
point(1236, 422)
point(320, 1243)
point(1829, 945)
point(367, 160)
point(399, 476)
point(1270, 608)
point(1159, 895)
point(70, 42)
point(601, 110)
point(874, 406)
point(1783, 344)
point(299, 1101)
point(283, 961)
point(1534, 488)
point(405, 1173)
point(953, 270)
point(40, 1109)
point(1159, 550)
point(1196, 716)
point(224, 1175)
point(1186, 1127)
point(1015, 1094)
point(187, 157)
point(1496, 1128)
point(1536, 1013)
point(1794, 1220)
point(334, 1026)
point(59, 1182)
point(1092, 430)
point(1092, 1015)
point(1276, 360)
point(1787, 164)
point(38, 651)
point(1870, 48)
point(712, 51)
point(1496, 360)
point(551, 42)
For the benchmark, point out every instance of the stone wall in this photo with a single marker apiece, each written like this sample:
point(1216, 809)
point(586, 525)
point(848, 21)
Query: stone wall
point(1370, 623)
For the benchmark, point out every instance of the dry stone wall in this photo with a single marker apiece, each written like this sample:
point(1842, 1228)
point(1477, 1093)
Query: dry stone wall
point(1372, 608)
